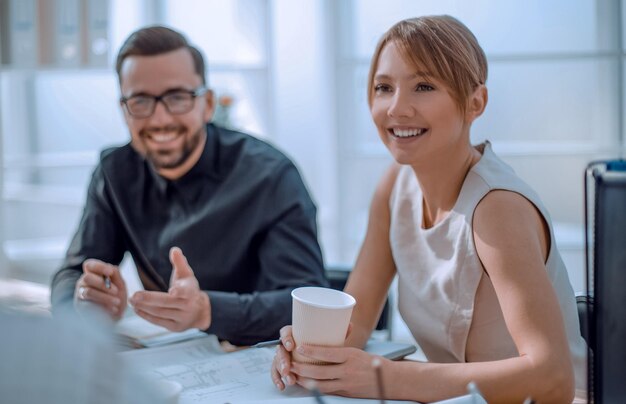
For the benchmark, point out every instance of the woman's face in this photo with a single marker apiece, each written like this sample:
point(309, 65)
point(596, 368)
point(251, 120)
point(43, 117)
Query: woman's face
point(416, 117)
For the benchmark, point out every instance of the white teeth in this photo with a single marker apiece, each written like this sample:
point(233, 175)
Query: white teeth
point(408, 132)
point(164, 137)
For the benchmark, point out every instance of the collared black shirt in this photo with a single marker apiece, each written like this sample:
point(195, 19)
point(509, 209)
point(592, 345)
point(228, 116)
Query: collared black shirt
point(242, 216)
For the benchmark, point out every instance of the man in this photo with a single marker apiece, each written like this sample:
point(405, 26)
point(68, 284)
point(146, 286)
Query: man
point(186, 194)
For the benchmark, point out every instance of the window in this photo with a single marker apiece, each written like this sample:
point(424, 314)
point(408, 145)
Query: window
point(554, 100)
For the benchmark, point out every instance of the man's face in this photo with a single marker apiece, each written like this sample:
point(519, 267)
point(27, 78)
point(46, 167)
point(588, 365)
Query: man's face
point(171, 142)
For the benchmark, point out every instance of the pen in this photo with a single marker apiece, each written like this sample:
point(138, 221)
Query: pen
point(312, 387)
point(266, 343)
point(317, 395)
point(474, 392)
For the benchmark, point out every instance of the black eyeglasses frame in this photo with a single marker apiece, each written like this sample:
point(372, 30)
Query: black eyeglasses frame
point(160, 98)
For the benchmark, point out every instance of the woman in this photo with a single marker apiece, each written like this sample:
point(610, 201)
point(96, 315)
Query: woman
point(481, 284)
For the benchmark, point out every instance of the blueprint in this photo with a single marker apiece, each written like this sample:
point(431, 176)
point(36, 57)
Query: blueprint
point(209, 375)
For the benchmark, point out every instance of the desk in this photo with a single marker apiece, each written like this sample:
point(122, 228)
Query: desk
point(213, 377)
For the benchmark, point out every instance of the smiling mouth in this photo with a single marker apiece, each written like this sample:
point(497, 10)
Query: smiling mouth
point(407, 133)
point(163, 137)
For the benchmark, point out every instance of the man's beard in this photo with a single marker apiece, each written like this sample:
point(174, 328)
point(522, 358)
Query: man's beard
point(174, 158)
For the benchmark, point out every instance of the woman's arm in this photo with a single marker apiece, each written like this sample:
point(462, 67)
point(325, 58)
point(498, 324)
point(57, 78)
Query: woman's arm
point(512, 241)
point(368, 284)
point(374, 268)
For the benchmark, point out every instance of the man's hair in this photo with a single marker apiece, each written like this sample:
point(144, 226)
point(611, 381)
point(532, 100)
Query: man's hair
point(156, 40)
point(440, 46)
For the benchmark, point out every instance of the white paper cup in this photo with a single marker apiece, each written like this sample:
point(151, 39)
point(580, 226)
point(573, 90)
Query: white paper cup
point(320, 317)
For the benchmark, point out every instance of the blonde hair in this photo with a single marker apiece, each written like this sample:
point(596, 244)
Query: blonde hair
point(440, 46)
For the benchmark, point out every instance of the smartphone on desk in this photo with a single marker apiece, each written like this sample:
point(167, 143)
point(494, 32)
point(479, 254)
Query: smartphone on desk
point(389, 349)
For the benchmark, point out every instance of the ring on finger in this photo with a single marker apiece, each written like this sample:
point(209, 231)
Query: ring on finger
point(81, 292)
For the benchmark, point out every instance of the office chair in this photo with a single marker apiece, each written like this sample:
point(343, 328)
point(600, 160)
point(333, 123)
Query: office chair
point(338, 276)
point(584, 304)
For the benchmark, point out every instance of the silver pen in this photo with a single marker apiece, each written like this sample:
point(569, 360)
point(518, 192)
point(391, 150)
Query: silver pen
point(472, 388)
point(265, 344)
point(312, 387)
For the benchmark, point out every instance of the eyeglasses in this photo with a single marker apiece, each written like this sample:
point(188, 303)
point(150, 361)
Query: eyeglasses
point(175, 101)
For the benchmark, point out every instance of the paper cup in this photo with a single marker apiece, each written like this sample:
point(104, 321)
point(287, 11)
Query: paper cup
point(320, 317)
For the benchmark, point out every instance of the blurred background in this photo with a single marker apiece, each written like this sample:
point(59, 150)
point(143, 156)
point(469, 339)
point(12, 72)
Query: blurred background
point(294, 73)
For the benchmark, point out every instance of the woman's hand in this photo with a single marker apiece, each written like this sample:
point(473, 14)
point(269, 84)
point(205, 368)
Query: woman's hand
point(349, 372)
point(281, 366)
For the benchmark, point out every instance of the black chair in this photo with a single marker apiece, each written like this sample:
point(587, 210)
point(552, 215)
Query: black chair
point(584, 304)
point(337, 278)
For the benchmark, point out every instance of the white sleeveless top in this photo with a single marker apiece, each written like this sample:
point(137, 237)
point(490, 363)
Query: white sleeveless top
point(444, 294)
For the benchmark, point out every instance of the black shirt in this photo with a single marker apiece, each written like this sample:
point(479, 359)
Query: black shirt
point(242, 216)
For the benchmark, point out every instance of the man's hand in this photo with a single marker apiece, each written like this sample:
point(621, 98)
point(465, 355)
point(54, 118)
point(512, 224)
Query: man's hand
point(92, 287)
point(184, 306)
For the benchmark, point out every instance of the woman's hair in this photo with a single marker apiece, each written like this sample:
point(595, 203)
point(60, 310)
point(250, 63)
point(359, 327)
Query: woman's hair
point(442, 47)
point(156, 40)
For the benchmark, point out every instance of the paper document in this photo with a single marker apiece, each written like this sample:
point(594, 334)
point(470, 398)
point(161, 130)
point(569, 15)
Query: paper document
point(230, 378)
point(193, 350)
point(150, 335)
point(325, 399)
point(209, 375)
point(467, 399)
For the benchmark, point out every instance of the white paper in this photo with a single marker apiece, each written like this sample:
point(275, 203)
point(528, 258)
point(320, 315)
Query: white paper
point(145, 360)
point(467, 399)
point(208, 375)
point(149, 334)
point(326, 400)
point(240, 375)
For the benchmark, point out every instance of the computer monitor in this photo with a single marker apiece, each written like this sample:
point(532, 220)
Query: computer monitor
point(606, 279)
